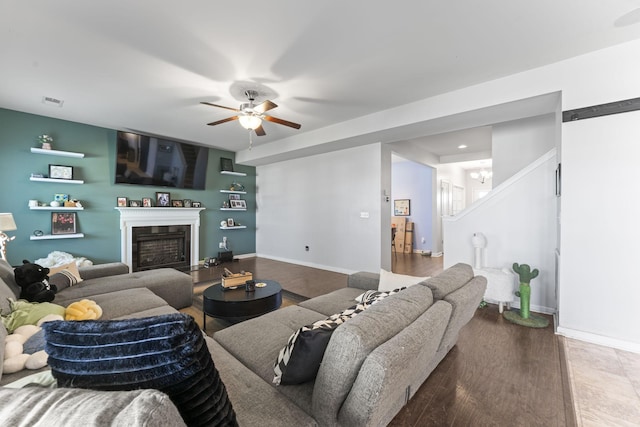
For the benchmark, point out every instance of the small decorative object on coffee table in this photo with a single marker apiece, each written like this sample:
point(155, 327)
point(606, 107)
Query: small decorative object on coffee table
point(236, 305)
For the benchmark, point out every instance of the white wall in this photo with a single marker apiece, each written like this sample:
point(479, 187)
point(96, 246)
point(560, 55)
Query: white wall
point(412, 181)
point(316, 201)
point(517, 143)
point(518, 219)
point(599, 291)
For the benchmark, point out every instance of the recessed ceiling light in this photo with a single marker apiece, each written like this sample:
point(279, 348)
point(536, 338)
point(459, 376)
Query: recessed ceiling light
point(462, 146)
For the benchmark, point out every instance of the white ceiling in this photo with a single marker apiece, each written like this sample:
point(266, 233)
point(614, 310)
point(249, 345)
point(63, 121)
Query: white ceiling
point(145, 65)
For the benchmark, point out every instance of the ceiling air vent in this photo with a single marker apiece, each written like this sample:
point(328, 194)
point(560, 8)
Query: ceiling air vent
point(47, 100)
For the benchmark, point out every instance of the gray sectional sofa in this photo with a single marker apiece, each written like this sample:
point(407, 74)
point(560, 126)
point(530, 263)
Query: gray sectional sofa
point(373, 364)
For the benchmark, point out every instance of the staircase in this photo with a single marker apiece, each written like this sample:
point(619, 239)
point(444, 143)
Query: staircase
point(519, 219)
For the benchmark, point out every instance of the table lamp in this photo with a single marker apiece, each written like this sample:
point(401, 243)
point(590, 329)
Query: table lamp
point(6, 224)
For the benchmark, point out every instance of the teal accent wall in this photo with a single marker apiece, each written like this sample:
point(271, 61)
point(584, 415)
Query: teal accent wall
point(99, 221)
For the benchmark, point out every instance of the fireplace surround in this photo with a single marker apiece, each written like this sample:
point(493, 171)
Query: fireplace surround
point(179, 240)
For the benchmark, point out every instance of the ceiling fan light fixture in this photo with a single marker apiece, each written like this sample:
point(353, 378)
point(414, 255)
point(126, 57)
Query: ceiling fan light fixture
point(250, 122)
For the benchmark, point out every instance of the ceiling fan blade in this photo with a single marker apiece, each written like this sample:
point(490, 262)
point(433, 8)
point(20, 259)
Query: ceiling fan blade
point(260, 131)
point(228, 119)
point(282, 122)
point(219, 106)
point(264, 107)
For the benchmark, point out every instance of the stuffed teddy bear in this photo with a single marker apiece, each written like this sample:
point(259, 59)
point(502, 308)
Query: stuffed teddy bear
point(16, 355)
point(34, 281)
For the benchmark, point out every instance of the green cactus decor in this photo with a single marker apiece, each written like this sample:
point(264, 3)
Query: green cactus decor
point(525, 317)
point(526, 275)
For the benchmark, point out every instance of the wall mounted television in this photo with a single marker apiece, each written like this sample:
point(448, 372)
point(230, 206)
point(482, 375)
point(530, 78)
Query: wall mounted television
point(150, 160)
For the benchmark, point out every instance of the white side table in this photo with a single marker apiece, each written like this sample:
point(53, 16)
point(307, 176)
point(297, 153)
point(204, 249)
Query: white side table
point(500, 285)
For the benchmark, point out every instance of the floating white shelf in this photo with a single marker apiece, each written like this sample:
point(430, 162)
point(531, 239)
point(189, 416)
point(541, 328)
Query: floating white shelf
point(51, 208)
point(232, 209)
point(58, 236)
point(235, 227)
point(233, 192)
point(57, 153)
point(233, 173)
point(56, 180)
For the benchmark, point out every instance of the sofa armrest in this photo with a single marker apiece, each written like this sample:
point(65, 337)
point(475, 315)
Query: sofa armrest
point(103, 270)
point(363, 280)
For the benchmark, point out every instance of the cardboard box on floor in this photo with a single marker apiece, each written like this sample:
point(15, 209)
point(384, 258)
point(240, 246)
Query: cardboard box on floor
point(403, 242)
point(399, 223)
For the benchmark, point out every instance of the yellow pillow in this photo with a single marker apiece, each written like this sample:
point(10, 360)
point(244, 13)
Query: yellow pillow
point(85, 309)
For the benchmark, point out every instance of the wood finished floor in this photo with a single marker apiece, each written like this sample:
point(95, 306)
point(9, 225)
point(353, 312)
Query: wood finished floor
point(498, 374)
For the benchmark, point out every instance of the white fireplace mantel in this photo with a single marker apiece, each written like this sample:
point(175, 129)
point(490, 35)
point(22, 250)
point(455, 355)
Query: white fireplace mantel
point(148, 217)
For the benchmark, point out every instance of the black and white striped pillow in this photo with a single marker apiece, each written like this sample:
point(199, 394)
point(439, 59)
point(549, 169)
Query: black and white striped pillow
point(299, 360)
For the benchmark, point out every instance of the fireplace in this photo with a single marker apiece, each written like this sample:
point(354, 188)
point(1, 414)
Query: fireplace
point(159, 237)
point(160, 246)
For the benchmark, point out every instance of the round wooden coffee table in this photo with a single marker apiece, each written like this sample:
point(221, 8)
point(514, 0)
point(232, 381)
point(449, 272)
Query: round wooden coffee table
point(236, 305)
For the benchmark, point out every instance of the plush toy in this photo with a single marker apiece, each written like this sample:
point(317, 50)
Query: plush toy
point(16, 357)
point(34, 281)
point(85, 309)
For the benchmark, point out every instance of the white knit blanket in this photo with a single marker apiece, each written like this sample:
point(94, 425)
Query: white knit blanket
point(57, 258)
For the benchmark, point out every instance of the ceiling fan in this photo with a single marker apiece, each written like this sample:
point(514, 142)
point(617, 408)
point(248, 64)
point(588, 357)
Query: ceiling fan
point(250, 116)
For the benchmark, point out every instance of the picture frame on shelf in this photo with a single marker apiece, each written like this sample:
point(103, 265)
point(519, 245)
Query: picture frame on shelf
point(402, 207)
point(196, 205)
point(61, 197)
point(238, 204)
point(226, 165)
point(230, 222)
point(63, 223)
point(146, 202)
point(234, 197)
point(177, 203)
point(60, 172)
point(187, 203)
point(135, 203)
point(163, 199)
point(122, 202)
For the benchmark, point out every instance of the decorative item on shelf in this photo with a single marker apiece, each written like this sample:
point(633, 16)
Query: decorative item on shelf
point(6, 224)
point(122, 202)
point(146, 202)
point(46, 141)
point(524, 317)
point(230, 222)
point(54, 204)
point(196, 204)
point(187, 203)
point(236, 186)
point(225, 204)
point(37, 175)
point(60, 172)
point(63, 223)
point(61, 197)
point(163, 199)
point(38, 233)
point(135, 203)
point(33, 203)
point(238, 204)
point(226, 165)
point(177, 203)
point(223, 223)
point(234, 197)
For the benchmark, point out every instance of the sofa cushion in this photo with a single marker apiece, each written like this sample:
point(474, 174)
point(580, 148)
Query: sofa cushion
point(167, 353)
point(299, 360)
point(64, 276)
point(352, 342)
point(123, 303)
point(450, 280)
point(8, 287)
point(35, 406)
point(333, 302)
point(390, 281)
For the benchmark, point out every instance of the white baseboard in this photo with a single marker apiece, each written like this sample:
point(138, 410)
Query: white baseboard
point(245, 256)
point(599, 339)
point(309, 264)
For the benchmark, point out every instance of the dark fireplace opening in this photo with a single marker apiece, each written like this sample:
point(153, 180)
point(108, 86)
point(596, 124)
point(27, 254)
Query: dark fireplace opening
point(161, 246)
